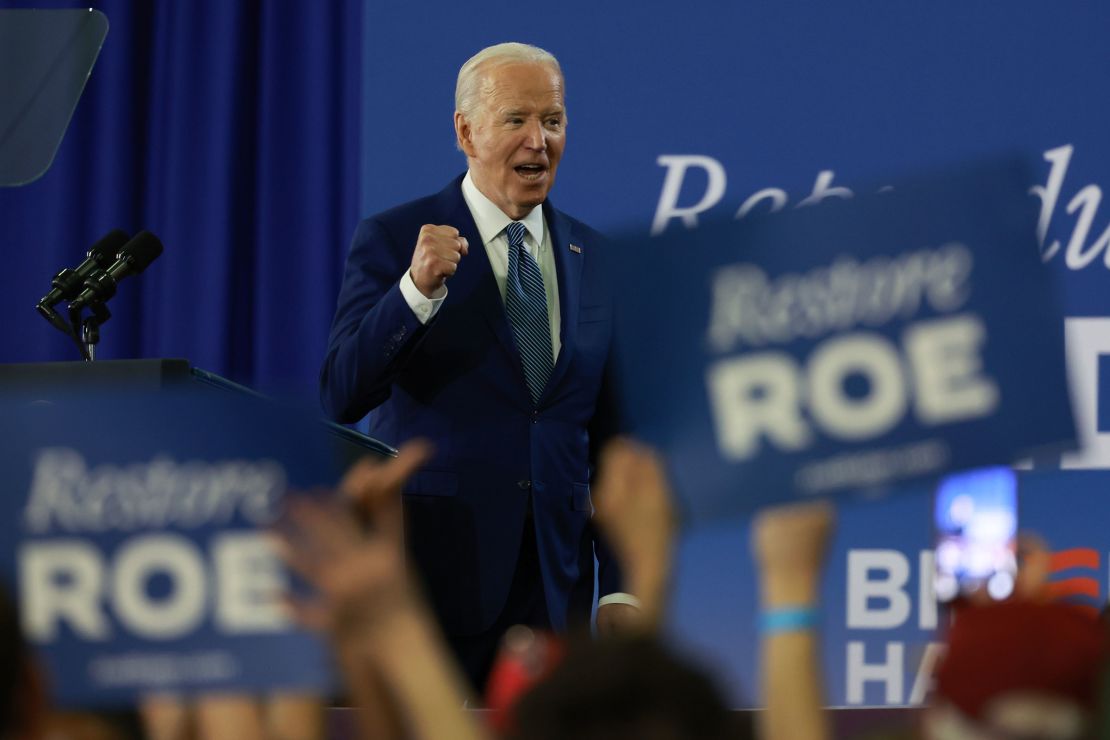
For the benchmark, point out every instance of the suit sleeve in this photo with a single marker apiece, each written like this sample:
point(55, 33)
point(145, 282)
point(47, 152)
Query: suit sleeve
point(606, 424)
point(373, 331)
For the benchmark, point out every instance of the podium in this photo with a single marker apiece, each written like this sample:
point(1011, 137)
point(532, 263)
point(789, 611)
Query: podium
point(50, 381)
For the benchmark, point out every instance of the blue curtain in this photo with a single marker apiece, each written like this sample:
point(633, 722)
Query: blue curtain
point(231, 130)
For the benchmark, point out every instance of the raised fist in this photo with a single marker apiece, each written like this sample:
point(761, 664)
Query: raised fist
point(439, 249)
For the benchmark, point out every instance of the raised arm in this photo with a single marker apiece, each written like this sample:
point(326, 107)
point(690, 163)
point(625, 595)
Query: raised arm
point(396, 664)
point(391, 291)
point(790, 543)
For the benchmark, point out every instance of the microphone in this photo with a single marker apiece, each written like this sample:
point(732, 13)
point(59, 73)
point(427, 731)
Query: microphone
point(133, 258)
point(67, 283)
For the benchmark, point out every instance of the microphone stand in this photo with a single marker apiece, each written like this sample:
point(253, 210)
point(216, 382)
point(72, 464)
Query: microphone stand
point(47, 311)
point(90, 328)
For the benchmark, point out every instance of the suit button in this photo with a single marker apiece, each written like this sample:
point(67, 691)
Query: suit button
point(535, 416)
point(524, 485)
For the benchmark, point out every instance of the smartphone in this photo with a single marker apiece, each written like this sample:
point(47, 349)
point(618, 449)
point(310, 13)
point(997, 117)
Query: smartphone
point(975, 517)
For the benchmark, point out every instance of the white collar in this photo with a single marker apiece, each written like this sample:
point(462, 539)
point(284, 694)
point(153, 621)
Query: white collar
point(491, 220)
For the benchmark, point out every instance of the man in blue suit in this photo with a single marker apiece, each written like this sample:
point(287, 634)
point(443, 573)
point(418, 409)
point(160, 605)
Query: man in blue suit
point(477, 318)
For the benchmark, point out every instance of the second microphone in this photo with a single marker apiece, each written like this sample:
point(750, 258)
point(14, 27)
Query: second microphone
point(132, 258)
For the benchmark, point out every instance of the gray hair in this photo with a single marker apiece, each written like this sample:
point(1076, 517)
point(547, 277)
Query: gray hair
point(468, 89)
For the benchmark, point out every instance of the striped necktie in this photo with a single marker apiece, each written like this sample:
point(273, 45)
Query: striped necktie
point(526, 306)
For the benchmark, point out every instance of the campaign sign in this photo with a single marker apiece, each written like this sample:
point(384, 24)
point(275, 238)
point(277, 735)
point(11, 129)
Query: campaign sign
point(135, 541)
point(846, 346)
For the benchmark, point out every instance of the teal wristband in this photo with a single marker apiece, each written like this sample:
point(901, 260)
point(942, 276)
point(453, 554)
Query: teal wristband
point(790, 619)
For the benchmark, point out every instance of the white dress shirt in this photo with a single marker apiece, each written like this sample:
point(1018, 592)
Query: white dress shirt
point(491, 222)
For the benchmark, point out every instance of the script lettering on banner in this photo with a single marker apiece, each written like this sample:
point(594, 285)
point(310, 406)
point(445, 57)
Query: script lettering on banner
point(140, 551)
point(867, 341)
point(65, 581)
point(933, 371)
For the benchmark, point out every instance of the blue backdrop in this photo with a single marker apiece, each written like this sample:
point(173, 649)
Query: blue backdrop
point(231, 130)
point(710, 109)
point(250, 136)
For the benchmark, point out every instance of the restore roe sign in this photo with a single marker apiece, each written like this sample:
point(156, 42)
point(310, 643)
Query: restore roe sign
point(846, 346)
point(136, 542)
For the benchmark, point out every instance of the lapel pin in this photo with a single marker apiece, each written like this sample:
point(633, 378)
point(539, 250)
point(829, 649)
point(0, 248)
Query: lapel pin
point(576, 249)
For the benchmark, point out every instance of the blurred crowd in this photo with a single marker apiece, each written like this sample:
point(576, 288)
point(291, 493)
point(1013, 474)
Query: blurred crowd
point(1023, 668)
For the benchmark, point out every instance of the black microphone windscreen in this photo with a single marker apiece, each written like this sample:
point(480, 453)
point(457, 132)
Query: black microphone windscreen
point(108, 246)
point(142, 250)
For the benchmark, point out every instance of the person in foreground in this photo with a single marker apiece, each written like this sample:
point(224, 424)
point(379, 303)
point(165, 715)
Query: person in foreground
point(405, 682)
point(630, 685)
point(477, 318)
point(1028, 668)
point(398, 669)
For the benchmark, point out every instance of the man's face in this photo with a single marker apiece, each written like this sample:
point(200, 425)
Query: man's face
point(515, 138)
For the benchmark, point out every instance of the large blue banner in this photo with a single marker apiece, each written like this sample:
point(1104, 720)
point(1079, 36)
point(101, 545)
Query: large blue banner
point(881, 623)
point(682, 115)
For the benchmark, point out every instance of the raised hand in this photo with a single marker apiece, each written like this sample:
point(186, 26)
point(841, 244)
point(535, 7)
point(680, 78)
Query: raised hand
point(790, 543)
point(438, 252)
point(635, 510)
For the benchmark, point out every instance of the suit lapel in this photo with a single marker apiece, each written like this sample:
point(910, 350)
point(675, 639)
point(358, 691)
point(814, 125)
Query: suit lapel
point(568, 267)
point(475, 276)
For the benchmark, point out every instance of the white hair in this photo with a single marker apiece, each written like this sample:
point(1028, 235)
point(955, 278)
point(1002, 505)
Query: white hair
point(468, 89)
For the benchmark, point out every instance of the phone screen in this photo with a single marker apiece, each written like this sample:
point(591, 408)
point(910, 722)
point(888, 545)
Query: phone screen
point(976, 527)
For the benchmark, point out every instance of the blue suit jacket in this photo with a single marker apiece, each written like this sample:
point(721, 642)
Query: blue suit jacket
point(458, 382)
